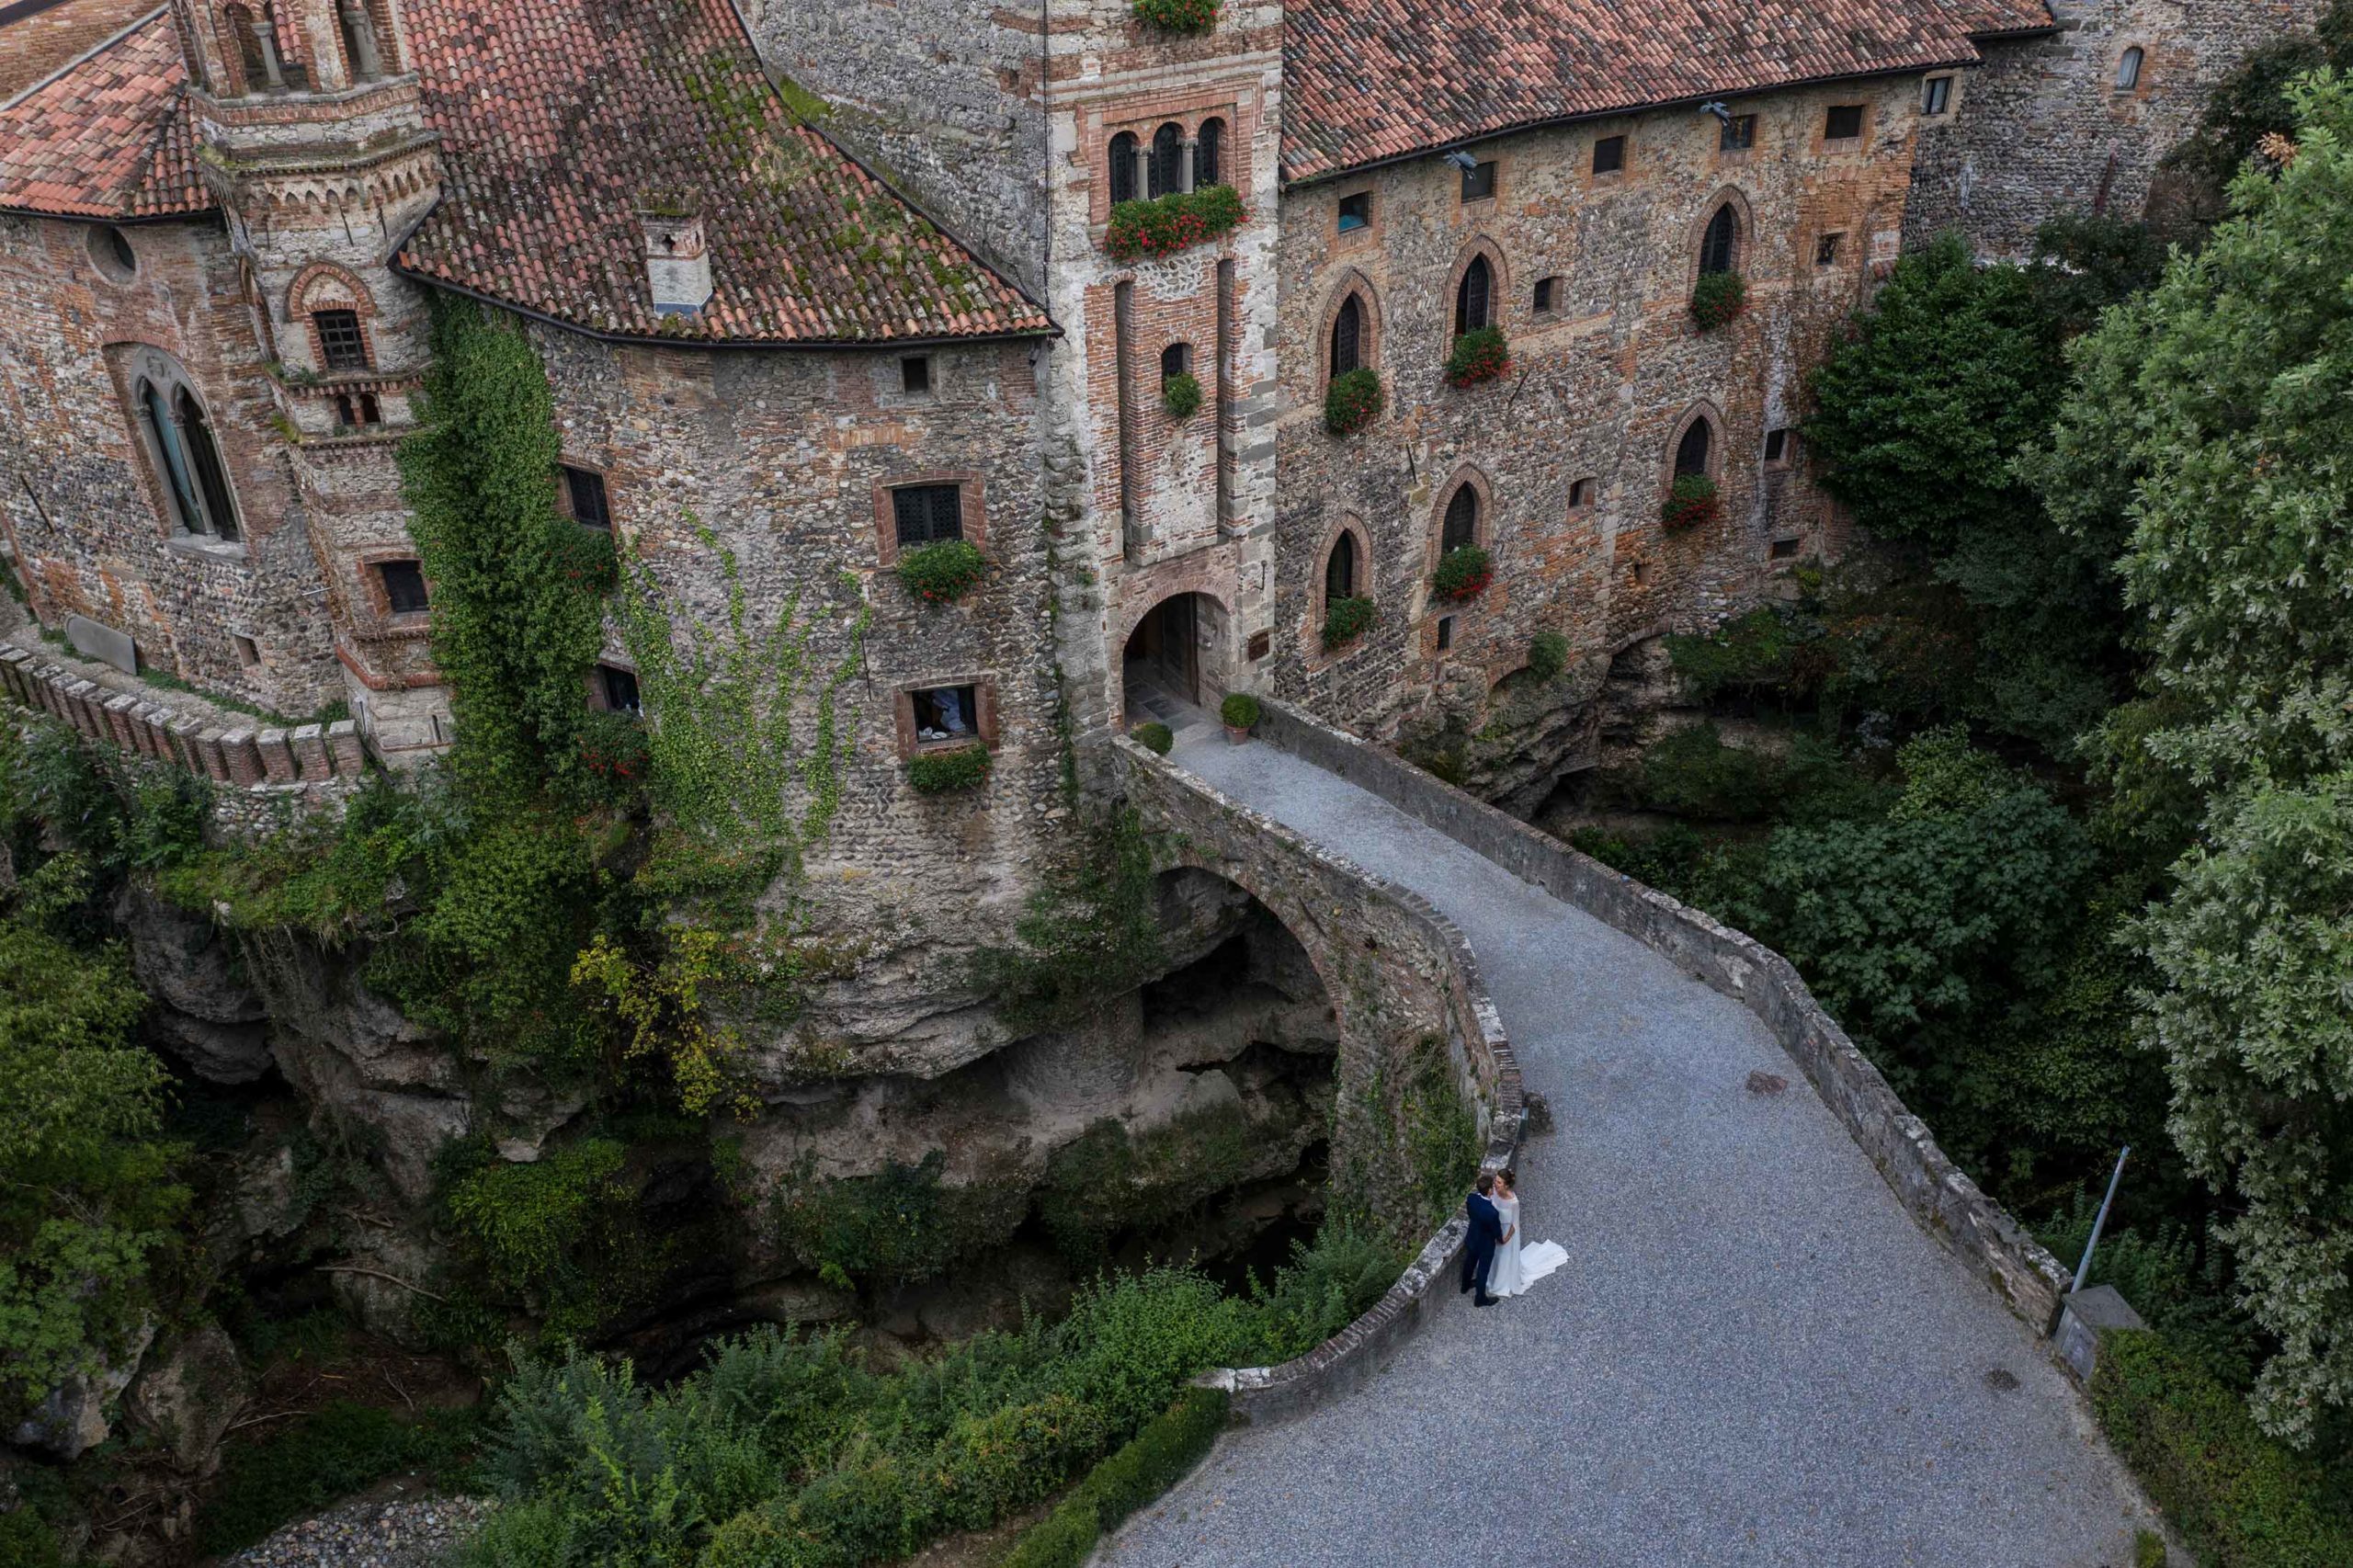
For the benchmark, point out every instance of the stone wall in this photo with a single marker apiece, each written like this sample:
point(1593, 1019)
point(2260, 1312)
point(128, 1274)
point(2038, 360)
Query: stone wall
point(1603, 380)
point(1940, 1196)
point(1398, 971)
point(2041, 128)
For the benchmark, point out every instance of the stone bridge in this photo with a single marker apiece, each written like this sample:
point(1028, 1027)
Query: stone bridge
point(1790, 1331)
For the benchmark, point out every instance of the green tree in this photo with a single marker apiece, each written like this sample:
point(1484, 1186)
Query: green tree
point(2215, 417)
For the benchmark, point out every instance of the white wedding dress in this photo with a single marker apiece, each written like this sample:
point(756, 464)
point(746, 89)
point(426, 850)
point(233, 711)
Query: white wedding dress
point(1517, 1267)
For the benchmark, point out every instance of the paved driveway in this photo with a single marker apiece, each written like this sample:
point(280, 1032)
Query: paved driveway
point(1754, 1355)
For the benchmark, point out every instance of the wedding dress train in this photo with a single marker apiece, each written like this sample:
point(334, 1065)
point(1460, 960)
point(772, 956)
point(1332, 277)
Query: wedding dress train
point(1517, 1267)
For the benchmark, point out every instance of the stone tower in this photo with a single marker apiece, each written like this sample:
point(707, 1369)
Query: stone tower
point(314, 141)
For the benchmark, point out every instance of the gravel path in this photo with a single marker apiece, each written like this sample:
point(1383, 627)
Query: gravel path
point(1754, 1356)
point(369, 1535)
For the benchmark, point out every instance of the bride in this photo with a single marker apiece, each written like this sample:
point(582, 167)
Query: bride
point(1516, 1269)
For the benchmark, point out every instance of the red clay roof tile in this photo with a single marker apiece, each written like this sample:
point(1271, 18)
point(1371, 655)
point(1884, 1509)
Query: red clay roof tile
point(108, 138)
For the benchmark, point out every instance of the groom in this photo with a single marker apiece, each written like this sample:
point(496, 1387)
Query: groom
point(1479, 1250)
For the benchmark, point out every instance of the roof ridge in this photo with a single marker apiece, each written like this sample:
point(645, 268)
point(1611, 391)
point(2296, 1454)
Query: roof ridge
point(84, 57)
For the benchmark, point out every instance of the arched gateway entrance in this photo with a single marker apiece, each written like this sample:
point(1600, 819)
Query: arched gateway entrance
point(1174, 658)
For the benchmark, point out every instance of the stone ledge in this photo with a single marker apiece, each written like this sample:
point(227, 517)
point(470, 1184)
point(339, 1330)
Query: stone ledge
point(1349, 1358)
point(1939, 1193)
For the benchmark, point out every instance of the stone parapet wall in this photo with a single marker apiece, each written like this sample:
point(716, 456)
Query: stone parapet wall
point(258, 769)
point(1396, 970)
point(1939, 1193)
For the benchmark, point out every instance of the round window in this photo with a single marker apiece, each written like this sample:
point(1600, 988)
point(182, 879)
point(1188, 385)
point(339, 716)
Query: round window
point(110, 252)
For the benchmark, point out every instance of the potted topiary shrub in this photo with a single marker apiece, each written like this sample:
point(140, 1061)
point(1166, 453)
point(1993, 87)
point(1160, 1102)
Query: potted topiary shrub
point(942, 572)
point(1177, 16)
point(1239, 711)
point(1351, 402)
point(1717, 298)
point(1479, 355)
point(1154, 736)
point(948, 769)
point(1180, 394)
point(1345, 621)
point(1690, 502)
point(1463, 572)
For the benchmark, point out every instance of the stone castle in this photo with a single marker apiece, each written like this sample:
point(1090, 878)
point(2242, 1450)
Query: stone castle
point(841, 278)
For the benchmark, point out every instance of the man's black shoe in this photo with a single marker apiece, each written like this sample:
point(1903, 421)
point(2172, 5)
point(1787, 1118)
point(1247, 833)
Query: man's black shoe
point(1484, 1300)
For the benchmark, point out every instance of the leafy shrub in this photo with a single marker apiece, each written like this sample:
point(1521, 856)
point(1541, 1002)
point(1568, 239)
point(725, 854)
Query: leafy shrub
point(586, 556)
point(1717, 298)
point(1480, 354)
point(1160, 1455)
point(1155, 737)
point(1167, 224)
point(612, 748)
point(1463, 572)
point(2241, 1500)
point(543, 1233)
point(1239, 709)
point(944, 572)
point(1691, 501)
point(1328, 1285)
point(1548, 654)
point(320, 1458)
point(1351, 402)
point(1345, 621)
point(1180, 394)
point(950, 769)
point(1179, 15)
point(900, 1225)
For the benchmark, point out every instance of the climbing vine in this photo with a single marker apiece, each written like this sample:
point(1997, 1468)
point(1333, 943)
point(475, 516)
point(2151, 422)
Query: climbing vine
point(516, 625)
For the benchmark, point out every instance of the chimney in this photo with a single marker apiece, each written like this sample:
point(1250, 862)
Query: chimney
point(677, 259)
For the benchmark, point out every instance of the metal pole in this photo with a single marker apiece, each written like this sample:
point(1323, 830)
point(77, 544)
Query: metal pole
point(2085, 1267)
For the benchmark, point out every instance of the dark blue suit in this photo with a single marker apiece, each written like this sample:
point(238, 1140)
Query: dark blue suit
point(1479, 1248)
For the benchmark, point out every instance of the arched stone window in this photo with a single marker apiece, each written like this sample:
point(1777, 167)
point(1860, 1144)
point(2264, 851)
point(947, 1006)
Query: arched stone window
point(1209, 155)
point(1177, 359)
point(1123, 168)
point(187, 458)
point(1461, 525)
point(360, 46)
point(1167, 172)
point(1347, 336)
point(1719, 246)
point(1341, 569)
point(1693, 452)
point(1474, 296)
point(257, 47)
point(2128, 70)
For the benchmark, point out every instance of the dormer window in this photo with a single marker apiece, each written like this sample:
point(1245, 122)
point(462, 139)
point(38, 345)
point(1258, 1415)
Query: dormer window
point(341, 346)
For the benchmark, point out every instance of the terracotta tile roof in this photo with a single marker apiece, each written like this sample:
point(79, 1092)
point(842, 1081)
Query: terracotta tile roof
point(559, 116)
point(1369, 80)
point(108, 138)
point(39, 37)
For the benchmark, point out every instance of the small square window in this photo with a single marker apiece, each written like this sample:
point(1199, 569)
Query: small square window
point(1844, 123)
point(340, 342)
point(1825, 250)
point(1547, 293)
point(1261, 644)
point(584, 495)
point(403, 586)
point(925, 514)
point(1935, 94)
point(1444, 632)
point(1777, 446)
point(946, 715)
point(1641, 574)
point(1737, 134)
point(1479, 181)
point(1356, 211)
point(1581, 494)
point(914, 374)
point(1610, 155)
point(619, 689)
point(248, 651)
point(1784, 549)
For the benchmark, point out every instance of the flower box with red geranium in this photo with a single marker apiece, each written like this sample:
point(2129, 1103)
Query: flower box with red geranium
point(1177, 16)
point(943, 573)
point(1351, 402)
point(1463, 572)
point(1167, 224)
point(1691, 501)
point(1717, 298)
point(1345, 621)
point(587, 556)
point(612, 748)
point(1480, 356)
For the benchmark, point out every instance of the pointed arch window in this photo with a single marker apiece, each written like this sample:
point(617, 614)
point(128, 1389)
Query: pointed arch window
point(1473, 297)
point(1123, 168)
point(1340, 568)
point(1347, 336)
point(1208, 154)
point(189, 459)
point(1693, 452)
point(1462, 526)
point(1719, 246)
point(1167, 172)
